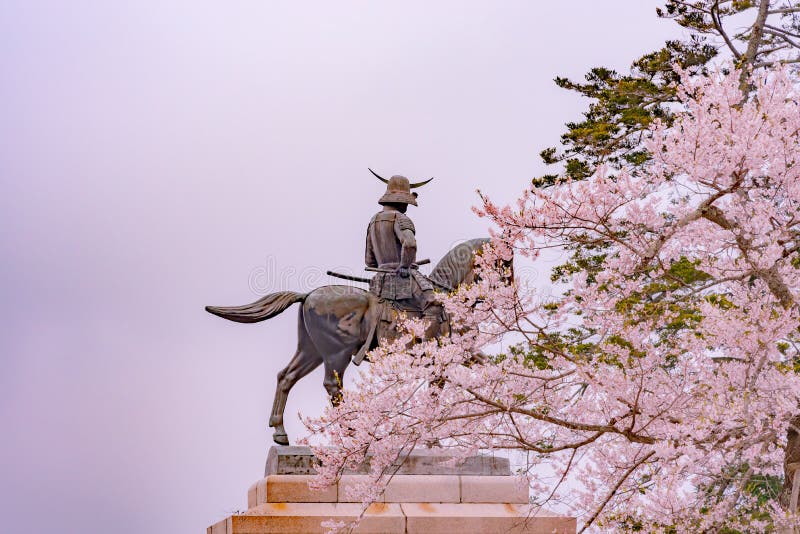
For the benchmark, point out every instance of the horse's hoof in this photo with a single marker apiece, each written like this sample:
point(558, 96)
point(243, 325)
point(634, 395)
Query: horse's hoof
point(280, 439)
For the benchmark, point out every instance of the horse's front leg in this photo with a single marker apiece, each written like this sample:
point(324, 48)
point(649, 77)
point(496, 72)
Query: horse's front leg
point(335, 366)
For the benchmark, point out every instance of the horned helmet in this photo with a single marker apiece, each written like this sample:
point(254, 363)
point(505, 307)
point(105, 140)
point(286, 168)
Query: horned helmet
point(398, 190)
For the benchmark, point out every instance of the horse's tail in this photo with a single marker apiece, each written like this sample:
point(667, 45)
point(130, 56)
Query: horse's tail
point(260, 310)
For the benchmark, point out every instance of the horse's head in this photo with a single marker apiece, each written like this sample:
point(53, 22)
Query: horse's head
point(458, 266)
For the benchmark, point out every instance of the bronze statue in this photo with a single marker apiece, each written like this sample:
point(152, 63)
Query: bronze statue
point(337, 324)
point(391, 251)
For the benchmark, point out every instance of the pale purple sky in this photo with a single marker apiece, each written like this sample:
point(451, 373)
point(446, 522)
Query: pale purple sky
point(158, 156)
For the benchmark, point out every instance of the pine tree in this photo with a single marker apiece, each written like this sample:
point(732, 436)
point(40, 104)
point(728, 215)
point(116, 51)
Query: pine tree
point(623, 106)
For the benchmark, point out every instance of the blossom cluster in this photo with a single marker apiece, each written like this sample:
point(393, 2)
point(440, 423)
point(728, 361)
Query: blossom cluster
point(655, 393)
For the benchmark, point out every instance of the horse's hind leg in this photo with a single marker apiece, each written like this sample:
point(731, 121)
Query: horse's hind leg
point(305, 360)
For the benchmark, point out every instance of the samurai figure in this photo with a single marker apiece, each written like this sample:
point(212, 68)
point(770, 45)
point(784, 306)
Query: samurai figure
point(391, 250)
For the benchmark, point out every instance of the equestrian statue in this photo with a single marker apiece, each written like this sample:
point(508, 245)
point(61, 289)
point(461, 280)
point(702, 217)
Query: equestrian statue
point(338, 324)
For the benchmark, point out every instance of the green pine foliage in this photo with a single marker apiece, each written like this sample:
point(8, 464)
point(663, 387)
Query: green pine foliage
point(622, 107)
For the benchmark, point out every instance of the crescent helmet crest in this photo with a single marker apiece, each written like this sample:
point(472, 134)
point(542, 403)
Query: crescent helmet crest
point(410, 185)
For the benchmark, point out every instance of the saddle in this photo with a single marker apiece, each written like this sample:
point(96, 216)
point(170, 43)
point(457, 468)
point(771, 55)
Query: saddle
point(381, 323)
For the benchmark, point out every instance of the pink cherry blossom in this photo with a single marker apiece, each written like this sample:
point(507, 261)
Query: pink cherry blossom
point(657, 387)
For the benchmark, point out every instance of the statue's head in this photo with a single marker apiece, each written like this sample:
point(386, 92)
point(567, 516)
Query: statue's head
point(398, 190)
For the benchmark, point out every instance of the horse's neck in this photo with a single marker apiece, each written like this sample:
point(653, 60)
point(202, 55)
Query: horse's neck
point(455, 273)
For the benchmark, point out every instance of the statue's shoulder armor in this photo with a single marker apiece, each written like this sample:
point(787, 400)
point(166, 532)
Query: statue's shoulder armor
point(404, 222)
point(401, 221)
point(384, 216)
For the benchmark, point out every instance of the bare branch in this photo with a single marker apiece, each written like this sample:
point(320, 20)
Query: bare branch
point(718, 25)
point(781, 30)
point(782, 36)
point(776, 62)
point(784, 10)
point(614, 490)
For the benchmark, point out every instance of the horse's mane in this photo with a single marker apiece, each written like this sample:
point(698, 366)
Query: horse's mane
point(453, 268)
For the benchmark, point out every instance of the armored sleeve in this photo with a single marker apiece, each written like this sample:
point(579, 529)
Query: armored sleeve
point(369, 255)
point(403, 222)
point(404, 230)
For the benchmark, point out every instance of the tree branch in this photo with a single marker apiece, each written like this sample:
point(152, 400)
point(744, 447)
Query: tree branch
point(752, 46)
point(614, 490)
point(718, 25)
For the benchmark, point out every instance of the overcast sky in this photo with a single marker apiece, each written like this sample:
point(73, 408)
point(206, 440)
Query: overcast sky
point(158, 156)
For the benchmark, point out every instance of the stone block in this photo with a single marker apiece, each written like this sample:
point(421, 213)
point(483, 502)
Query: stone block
point(347, 483)
point(290, 460)
point(261, 491)
point(438, 462)
point(286, 460)
point(252, 495)
point(276, 518)
point(294, 488)
point(221, 527)
point(467, 518)
point(507, 489)
point(429, 488)
point(407, 488)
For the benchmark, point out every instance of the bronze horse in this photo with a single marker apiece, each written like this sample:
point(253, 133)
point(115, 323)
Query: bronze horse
point(333, 325)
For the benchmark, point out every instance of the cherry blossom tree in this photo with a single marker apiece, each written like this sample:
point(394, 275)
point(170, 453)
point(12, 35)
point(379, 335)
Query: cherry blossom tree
point(655, 391)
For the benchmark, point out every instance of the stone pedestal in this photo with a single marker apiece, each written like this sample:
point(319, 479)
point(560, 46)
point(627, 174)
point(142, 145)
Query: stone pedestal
point(428, 495)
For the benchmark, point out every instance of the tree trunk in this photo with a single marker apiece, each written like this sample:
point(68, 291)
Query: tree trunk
point(749, 57)
point(791, 465)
